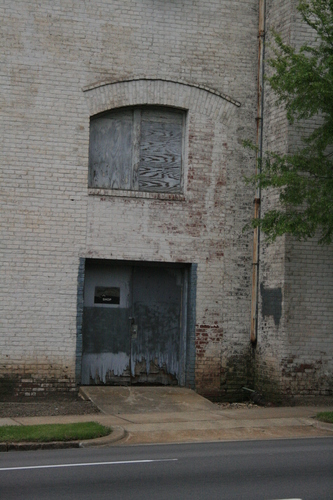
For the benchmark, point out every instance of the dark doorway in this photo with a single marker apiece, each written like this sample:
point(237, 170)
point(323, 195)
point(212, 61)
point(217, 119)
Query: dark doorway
point(134, 326)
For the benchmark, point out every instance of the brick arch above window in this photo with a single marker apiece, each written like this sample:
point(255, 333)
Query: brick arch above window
point(110, 95)
point(202, 108)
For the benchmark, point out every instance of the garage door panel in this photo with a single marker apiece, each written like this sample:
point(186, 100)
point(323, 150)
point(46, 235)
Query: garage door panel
point(157, 313)
point(104, 330)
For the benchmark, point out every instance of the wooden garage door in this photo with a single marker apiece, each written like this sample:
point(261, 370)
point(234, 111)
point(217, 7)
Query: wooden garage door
point(132, 324)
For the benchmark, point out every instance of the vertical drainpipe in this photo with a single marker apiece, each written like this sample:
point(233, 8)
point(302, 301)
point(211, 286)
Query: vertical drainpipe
point(259, 141)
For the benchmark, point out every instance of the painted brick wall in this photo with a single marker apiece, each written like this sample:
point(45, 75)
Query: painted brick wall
point(53, 52)
point(66, 60)
point(271, 326)
point(307, 364)
point(294, 350)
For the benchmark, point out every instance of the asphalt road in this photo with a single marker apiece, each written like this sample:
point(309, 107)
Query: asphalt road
point(281, 469)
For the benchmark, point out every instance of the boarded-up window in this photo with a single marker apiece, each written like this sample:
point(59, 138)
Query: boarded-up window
point(137, 149)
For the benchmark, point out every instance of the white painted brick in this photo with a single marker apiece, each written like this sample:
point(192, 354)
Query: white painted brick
point(54, 50)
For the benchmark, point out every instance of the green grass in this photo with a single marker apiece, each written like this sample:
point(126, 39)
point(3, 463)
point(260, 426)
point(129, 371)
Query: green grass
point(52, 432)
point(325, 416)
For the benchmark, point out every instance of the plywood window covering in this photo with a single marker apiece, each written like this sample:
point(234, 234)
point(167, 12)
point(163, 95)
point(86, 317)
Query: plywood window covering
point(137, 149)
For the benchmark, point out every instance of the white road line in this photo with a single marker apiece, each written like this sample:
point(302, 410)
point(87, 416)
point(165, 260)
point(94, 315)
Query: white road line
point(88, 464)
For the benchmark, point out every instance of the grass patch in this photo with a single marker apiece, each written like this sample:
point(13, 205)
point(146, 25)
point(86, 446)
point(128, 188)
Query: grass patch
point(52, 432)
point(325, 416)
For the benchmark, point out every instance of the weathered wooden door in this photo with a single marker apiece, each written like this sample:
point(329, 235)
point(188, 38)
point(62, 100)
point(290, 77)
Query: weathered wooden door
point(156, 324)
point(132, 324)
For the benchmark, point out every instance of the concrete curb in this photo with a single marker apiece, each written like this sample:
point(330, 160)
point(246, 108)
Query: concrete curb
point(323, 425)
point(117, 434)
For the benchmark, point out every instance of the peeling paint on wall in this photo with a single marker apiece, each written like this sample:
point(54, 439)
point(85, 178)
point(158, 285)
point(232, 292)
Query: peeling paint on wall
point(99, 365)
point(167, 361)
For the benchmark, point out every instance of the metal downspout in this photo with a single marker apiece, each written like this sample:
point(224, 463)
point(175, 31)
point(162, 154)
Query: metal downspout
point(257, 199)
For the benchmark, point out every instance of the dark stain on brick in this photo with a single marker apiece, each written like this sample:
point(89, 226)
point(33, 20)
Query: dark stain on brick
point(8, 385)
point(302, 367)
point(271, 303)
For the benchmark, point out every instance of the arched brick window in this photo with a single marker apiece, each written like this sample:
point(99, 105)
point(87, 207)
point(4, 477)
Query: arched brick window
point(138, 148)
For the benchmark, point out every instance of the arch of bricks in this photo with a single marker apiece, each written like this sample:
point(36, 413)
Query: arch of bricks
point(104, 96)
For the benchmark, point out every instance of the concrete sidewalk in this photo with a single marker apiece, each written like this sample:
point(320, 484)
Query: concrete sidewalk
point(173, 415)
